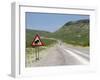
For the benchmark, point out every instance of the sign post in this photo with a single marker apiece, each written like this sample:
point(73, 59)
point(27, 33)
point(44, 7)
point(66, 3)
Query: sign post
point(36, 43)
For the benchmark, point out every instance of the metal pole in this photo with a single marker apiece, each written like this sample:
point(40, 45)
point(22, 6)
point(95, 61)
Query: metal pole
point(35, 54)
point(38, 53)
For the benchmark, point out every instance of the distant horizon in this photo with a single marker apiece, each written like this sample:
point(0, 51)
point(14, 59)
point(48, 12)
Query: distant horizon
point(50, 22)
point(31, 28)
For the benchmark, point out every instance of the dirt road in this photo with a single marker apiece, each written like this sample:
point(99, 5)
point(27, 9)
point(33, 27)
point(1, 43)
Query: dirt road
point(62, 54)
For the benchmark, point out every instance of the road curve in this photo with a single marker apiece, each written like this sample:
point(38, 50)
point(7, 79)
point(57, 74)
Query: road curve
point(61, 54)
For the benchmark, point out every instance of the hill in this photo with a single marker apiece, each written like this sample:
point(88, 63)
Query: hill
point(73, 32)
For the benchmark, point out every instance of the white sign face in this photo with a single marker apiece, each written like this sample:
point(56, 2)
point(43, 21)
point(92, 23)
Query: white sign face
point(67, 34)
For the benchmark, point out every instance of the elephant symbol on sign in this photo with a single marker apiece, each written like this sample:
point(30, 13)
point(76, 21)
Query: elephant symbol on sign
point(37, 41)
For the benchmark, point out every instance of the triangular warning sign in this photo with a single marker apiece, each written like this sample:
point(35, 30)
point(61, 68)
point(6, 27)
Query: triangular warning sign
point(37, 41)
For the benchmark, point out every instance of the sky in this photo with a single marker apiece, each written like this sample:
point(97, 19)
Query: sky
point(50, 21)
